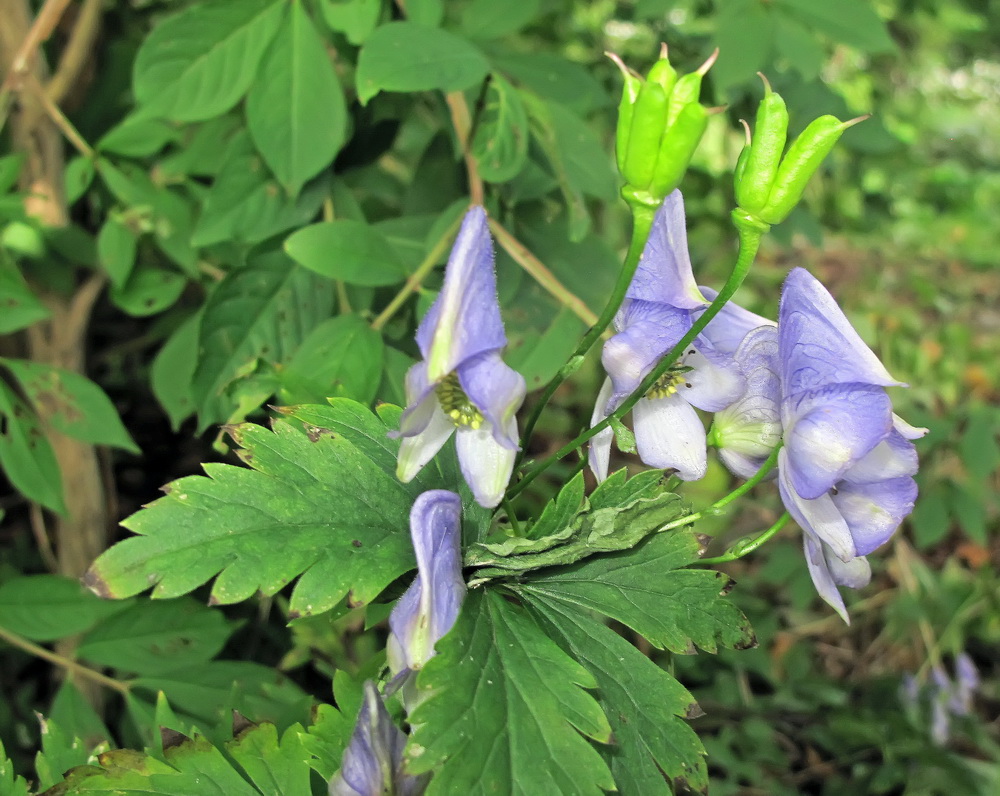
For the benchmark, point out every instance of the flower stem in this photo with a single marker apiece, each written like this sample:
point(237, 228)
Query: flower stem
point(418, 276)
point(750, 233)
point(77, 668)
point(746, 546)
point(642, 222)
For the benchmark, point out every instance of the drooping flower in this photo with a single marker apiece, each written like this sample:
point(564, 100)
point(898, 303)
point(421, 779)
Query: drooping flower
point(461, 382)
point(429, 608)
point(372, 764)
point(845, 471)
point(660, 306)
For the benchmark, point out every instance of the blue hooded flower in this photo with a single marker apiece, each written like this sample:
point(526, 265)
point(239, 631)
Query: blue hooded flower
point(372, 764)
point(461, 382)
point(661, 304)
point(845, 471)
point(846, 466)
point(429, 608)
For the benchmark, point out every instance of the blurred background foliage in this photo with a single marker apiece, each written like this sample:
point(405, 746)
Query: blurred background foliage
point(236, 233)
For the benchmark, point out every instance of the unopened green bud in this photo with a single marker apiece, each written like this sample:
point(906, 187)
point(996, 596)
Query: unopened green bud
point(677, 148)
point(662, 72)
point(804, 157)
point(764, 158)
point(647, 131)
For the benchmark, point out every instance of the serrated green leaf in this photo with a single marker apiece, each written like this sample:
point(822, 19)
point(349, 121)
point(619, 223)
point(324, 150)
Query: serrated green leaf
point(50, 607)
point(276, 769)
point(71, 711)
point(59, 753)
point(261, 311)
point(71, 403)
point(503, 708)
point(10, 783)
point(200, 62)
point(352, 251)
point(172, 372)
point(601, 529)
point(326, 497)
point(646, 589)
point(245, 203)
point(644, 704)
point(296, 112)
point(150, 637)
point(356, 19)
point(21, 307)
point(405, 56)
point(201, 768)
point(341, 358)
point(500, 142)
point(26, 455)
point(116, 250)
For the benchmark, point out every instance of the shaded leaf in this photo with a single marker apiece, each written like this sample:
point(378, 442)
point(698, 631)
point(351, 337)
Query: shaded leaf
point(497, 676)
point(20, 307)
point(172, 371)
point(50, 607)
point(352, 251)
point(26, 455)
point(500, 142)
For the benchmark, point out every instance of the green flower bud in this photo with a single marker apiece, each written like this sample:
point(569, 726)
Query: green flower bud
point(660, 124)
point(767, 185)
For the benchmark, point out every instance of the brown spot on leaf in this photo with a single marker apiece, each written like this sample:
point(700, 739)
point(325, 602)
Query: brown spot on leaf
point(356, 543)
point(96, 584)
point(704, 540)
point(213, 601)
point(749, 644)
point(241, 723)
point(294, 615)
point(693, 711)
point(172, 738)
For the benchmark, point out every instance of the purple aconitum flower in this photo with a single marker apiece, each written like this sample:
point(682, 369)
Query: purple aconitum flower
point(429, 608)
point(372, 764)
point(461, 382)
point(660, 307)
point(845, 471)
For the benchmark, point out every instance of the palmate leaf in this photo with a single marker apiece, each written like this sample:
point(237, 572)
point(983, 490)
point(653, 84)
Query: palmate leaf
point(504, 709)
point(646, 589)
point(321, 500)
point(643, 703)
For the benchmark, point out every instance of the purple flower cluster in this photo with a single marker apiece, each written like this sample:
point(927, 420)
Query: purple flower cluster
point(845, 471)
point(947, 698)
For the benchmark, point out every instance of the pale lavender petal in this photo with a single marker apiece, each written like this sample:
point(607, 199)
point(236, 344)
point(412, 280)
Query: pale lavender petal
point(873, 512)
point(464, 320)
point(599, 452)
point(940, 721)
point(416, 451)
point(892, 458)
point(822, 578)
point(966, 671)
point(669, 434)
point(429, 608)
point(373, 760)
point(733, 323)
point(497, 391)
point(829, 430)
point(819, 517)
point(420, 402)
point(664, 271)
point(854, 574)
point(747, 430)
point(486, 464)
point(646, 332)
point(715, 380)
point(906, 430)
point(818, 344)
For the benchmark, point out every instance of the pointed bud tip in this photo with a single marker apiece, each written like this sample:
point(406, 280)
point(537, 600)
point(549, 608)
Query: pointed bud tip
point(663, 51)
point(619, 63)
point(703, 69)
point(854, 121)
point(746, 130)
point(716, 109)
point(767, 83)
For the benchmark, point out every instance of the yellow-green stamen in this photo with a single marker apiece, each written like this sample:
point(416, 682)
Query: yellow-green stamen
point(669, 383)
point(455, 403)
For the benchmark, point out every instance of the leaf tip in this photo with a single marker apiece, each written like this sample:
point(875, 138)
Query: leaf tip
point(93, 581)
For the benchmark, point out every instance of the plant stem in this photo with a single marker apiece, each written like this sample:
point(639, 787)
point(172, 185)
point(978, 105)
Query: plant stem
point(736, 494)
point(750, 233)
point(747, 546)
point(418, 276)
point(77, 668)
point(642, 222)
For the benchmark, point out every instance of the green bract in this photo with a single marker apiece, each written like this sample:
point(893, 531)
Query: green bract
point(660, 124)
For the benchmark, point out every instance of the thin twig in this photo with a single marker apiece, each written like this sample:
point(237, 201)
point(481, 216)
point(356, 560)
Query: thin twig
point(41, 535)
point(66, 663)
point(530, 263)
point(417, 277)
point(461, 120)
point(58, 117)
point(77, 52)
